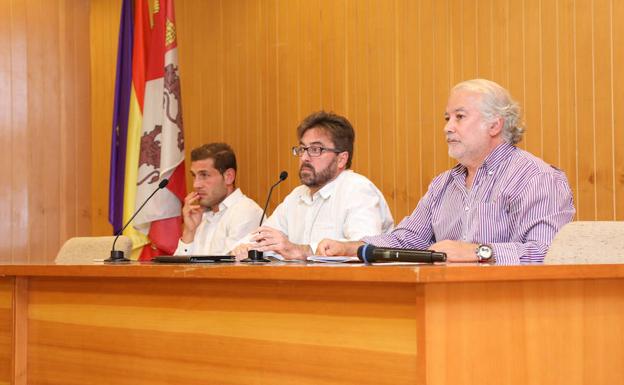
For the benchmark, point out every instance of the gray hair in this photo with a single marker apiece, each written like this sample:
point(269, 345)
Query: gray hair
point(496, 102)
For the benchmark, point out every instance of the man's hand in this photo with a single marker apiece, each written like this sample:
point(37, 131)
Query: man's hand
point(457, 251)
point(192, 213)
point(270, 239)
point(329, 247)
point(240, 251)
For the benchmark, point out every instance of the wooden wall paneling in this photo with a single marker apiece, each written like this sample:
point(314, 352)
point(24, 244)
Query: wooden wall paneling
point(103, 30)
point(471, 17)
point(443, 72)
point(402, 13)
point(532, 23)
point(359, 86)
point(603, 121)
point(484, 35)
point(411, 110)
point(49, 127)
point(289, 115)
point(617, 100)
point(566, 95)
point(374, 128)
point(19, 241)
point(549, 108)
point(36, 135)
point(499, 26)
point(431, 115)
point(584, 76)
point(46, 190)
point(383, 120)
point(258, 32)
point(331, 66)
point(80, 164)
point(516, 59)
point(67, 128)
point(6, 158)
point(270, 106)
point(281, 116)
point(197, 75)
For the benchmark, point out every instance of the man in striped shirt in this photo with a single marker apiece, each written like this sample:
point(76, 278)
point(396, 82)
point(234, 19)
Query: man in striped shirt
point(498, 199)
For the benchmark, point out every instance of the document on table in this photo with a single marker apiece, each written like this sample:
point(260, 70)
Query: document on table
point(338, 259)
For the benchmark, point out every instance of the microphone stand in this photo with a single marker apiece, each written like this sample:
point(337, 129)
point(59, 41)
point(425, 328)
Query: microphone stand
point(117, 256)
point(256, 256)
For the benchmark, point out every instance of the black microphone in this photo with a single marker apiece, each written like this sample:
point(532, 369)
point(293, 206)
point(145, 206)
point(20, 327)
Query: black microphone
point(370, 254)
point(282, 177)
point(255, 255)
point(118, 255)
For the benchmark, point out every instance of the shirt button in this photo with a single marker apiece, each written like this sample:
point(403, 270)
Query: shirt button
point(490, 172)
point(466, 208)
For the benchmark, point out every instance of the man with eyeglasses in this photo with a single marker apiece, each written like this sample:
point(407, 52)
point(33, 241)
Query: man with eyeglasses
point(332, 200)
point(216, 214)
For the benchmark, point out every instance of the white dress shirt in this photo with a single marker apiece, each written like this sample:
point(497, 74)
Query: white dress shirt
point(347, 208)
point(218, 232)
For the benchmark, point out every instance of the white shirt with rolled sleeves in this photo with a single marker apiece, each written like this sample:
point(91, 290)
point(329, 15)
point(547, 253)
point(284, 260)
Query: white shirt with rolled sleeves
point(218, 232)
point(348, 208)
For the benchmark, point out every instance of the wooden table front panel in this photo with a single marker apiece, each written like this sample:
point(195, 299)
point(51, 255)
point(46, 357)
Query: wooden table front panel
point(6, 330)
point(566, 332)
point(191, 331)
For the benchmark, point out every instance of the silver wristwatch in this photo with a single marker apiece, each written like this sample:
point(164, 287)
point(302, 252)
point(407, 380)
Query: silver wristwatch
point(485, 253)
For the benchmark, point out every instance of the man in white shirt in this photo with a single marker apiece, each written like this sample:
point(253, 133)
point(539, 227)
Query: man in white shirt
point(216, 214)
point(332, 199)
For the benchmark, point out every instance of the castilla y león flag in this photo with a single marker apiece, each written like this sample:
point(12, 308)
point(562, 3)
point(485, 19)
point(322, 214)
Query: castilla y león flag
point(148, 138)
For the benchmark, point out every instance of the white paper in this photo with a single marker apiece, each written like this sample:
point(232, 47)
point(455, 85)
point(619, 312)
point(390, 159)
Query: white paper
point(325, 259)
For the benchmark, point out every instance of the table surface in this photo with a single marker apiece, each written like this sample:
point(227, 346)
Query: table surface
point(472, 272)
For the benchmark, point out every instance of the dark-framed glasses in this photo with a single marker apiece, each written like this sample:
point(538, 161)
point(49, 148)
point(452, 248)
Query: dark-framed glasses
point(312, 150)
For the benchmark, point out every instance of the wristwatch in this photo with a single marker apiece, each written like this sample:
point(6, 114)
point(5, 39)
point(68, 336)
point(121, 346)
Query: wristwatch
point(485, 253)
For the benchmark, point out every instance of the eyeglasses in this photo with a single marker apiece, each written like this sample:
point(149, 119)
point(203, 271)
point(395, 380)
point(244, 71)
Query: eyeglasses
point(312, 150)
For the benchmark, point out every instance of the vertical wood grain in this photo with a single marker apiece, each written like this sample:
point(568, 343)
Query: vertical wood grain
point(46, 131)
point(252, 70)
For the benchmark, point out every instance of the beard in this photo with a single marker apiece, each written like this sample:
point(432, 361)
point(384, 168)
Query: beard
point(311, 178)
point(213, 197)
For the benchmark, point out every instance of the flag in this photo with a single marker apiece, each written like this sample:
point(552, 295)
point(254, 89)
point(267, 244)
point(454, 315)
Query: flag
point(148, 136)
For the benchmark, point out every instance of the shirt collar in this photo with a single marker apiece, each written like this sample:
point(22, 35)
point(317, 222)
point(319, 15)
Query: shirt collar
point(228, 202)
point(494, 159)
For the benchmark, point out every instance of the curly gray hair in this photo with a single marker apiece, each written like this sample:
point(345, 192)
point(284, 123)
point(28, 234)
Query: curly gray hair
point(496, 102)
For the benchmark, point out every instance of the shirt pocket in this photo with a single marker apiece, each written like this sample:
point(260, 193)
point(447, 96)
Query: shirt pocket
point(490, 222)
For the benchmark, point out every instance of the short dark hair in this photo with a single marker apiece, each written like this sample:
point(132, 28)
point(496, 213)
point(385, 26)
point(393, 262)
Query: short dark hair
point(338, 127)
point(221, 153)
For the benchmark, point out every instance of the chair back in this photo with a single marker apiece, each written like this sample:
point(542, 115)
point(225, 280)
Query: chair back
point(84, 250)
point(588, 242)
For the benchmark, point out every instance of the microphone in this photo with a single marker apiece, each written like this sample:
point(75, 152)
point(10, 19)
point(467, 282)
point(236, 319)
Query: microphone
point(255, 255)
point(282, 177)
point(370, 254)
point(118, 255)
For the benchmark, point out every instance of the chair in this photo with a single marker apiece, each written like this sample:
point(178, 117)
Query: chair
point(83, 250)
point(588, 242)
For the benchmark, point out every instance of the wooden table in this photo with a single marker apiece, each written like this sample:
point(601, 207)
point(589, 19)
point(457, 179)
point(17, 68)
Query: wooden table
point(296, 324)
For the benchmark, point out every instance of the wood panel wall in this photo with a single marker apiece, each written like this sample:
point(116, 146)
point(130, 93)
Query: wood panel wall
point(251, 70)
point(45, 132)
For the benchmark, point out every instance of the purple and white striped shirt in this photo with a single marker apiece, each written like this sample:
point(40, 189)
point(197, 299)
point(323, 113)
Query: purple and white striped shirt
point(517, 204)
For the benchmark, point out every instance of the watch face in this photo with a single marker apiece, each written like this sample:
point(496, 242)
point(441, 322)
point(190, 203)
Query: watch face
point(484, 252)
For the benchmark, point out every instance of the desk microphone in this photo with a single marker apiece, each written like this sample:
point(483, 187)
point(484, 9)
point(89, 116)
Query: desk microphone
point(370, 254)
point(118, 255)
point(255, 255)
